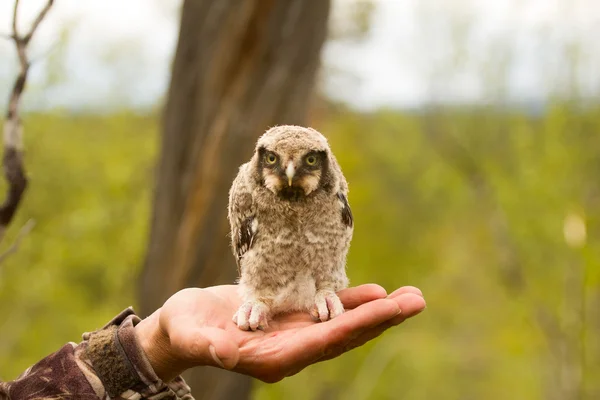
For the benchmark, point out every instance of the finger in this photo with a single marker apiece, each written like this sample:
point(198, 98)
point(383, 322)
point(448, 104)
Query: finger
point(206, 346)
point(359, 341)
point(355, 296)
point(352, 322)
point(410, 304)
point(406, 289)
point(314, 342)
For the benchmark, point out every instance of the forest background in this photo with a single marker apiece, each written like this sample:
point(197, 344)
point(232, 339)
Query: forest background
point(473, 157)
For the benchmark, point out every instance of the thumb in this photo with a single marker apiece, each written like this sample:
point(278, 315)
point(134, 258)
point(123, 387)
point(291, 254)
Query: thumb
point(206, 346)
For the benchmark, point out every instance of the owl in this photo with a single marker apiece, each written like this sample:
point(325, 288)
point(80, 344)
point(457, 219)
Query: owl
point(291, 227)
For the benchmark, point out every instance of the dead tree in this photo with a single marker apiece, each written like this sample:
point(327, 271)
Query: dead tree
point(12, 162)
point(240, 68)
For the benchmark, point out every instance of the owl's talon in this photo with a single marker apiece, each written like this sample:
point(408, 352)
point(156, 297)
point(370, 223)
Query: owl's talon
point(314, 313)
point(335, 306)
point(328, 306)
point(252, 315)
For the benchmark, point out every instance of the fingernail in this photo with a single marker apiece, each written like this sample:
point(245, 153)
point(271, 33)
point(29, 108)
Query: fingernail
point(216, 359)
point(399, 312)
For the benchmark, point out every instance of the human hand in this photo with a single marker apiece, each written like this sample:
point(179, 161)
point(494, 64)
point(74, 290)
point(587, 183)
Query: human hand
point(194, 327)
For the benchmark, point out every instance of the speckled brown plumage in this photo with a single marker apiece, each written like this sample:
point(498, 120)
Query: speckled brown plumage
point(291, 227)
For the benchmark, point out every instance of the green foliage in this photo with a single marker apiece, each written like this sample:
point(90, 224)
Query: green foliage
point(90, 182)
point(470, 206)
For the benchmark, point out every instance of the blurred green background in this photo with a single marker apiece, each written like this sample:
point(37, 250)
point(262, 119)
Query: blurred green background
point(490, 207)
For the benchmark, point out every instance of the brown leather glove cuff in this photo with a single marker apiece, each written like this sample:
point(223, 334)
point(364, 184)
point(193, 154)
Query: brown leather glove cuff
point(108, 353)
point(120, 363)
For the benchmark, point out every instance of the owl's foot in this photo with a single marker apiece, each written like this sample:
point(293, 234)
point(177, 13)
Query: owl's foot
point(327, 306)
point(252, 315)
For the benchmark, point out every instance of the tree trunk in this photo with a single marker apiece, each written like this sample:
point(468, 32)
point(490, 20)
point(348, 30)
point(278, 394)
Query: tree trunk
point(241, 66)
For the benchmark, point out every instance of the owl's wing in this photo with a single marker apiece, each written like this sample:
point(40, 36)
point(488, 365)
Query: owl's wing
point(242, 218)
point(342, 193)
point(347, 218)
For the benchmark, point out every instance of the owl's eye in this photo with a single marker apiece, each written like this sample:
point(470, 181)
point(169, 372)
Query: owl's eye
point(311, 160)
point(271, 158)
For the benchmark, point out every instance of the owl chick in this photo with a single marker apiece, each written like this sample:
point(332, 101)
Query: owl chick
point(291, 228)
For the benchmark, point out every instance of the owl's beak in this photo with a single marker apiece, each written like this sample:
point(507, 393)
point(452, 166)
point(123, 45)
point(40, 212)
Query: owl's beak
point(289, 172)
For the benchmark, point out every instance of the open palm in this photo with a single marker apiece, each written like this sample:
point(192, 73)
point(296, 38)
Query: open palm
point(195, 328)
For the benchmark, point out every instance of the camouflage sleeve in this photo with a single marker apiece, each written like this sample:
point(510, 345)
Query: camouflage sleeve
point(108, 364)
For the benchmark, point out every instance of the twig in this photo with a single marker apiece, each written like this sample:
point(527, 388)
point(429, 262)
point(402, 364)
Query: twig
point(37, 21)
point(14, 172)
point(15, 18)
point(15, 246)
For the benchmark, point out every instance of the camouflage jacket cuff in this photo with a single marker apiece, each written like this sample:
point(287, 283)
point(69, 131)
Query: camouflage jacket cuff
point(121, 366)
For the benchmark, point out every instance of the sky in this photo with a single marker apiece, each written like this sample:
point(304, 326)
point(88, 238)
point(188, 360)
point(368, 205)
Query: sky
point(118, 53)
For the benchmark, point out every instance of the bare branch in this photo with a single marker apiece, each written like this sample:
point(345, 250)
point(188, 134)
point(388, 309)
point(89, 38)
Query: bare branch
point(14, 172)
point(37, 21)
point(15, 246)
point(15, 18)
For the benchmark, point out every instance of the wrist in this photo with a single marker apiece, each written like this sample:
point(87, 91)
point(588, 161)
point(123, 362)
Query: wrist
point(157, 346)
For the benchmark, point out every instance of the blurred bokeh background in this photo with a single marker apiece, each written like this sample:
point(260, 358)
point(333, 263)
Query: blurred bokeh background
point(469, 131)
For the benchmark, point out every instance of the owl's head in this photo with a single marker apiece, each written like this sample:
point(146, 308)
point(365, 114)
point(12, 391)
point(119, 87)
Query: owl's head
point(293, 161)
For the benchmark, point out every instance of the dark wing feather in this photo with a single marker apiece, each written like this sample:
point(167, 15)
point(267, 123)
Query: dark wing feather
point(245, 238)
point(347, 218)
point(241, 219)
